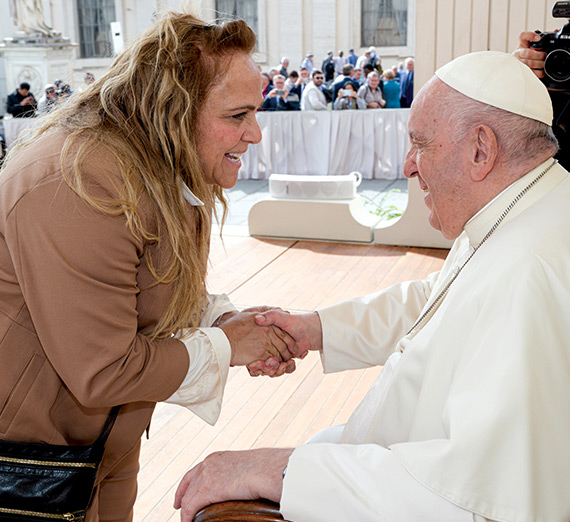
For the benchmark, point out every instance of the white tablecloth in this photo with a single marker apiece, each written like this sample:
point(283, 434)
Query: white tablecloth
point(373, 142)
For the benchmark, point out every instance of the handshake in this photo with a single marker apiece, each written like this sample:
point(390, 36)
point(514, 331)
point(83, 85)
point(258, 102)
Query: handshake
point(267, 340)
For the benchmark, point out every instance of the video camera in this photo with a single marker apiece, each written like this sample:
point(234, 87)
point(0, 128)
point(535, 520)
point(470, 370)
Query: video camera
point(557, 47)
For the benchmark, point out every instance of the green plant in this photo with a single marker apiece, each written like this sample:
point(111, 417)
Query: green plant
point(381, 209)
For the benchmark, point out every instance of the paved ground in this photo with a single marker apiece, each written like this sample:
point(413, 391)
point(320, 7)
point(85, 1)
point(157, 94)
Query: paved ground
point(379, 193)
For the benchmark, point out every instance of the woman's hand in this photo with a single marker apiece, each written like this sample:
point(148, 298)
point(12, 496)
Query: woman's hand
point(251, 342)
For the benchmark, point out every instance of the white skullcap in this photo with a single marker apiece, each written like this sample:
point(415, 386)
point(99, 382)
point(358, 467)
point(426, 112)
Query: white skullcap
point(500, 80)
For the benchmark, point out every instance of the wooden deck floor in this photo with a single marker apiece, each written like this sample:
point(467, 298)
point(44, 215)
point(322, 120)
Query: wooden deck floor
point(263, 412)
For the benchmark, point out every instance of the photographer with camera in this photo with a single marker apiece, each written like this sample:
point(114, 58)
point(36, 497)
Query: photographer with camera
point(21, 103)
point(548, 55)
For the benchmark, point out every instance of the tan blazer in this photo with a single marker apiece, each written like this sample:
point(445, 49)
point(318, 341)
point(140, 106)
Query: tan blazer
point(76, 304)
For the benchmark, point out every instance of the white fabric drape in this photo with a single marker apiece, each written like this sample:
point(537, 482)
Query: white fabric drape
point(373, 142)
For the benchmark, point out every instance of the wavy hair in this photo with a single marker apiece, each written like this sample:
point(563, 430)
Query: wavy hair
point(145, 110)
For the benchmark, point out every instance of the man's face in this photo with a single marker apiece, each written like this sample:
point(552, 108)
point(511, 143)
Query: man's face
point(410, 65)
point(357, 74)
point(304, 73)
point(373, 82)
point(285, 63)
point(23, 92)
point(318, 79)
point(279, 83)
point(438, 163)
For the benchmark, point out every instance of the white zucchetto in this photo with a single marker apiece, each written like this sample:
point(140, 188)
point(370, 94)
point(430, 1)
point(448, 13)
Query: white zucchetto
point(501, 80)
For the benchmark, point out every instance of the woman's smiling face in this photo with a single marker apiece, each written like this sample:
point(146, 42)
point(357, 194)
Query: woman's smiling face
point(227, 124)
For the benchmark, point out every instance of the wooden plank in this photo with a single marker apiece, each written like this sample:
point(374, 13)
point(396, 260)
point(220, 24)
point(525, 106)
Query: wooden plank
point(235, 259)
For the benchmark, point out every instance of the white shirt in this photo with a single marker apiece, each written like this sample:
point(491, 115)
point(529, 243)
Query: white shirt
point(313, 98)
point(209, 352)
point(471, 420)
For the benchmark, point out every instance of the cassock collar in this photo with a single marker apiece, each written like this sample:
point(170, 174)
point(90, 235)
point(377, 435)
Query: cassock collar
point(190, 197)
point(478, 226)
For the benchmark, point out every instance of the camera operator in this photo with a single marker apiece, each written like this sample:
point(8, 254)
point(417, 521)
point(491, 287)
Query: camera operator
point(534, 58)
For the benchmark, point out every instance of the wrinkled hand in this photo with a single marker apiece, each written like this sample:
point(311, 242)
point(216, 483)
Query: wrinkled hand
point(250, 342)
point(305, 329)
point(529, 56)
point(267, 367)
point(232, 475)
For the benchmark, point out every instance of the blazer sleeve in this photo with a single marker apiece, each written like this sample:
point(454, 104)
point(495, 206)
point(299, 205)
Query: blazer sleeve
point(77, 269)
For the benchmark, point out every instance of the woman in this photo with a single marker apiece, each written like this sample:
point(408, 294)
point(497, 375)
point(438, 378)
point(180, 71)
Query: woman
point(348, 99)
point(391, 90)
point(104, 234)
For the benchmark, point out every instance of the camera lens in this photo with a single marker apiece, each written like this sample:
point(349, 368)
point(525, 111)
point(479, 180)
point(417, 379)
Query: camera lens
point(557, 65)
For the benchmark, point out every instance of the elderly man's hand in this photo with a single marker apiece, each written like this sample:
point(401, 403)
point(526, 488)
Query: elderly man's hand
point(305, 329)
point(232, 475)
point(529, 56)
point(250, 342)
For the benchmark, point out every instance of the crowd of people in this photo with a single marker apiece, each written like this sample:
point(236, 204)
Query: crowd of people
point(341, 83)
point(23, 104)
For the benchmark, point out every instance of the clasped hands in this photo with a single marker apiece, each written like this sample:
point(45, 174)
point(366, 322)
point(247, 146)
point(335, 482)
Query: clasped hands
point(266, 339)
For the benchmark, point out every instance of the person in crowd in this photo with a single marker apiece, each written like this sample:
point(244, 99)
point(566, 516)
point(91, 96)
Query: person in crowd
point(49, 100)
point(21, 103)
point(339, 62)
point(266, 84)
point(391, 90)
point(375, 60)
point(295, 86)
point(363, 60)
point(407, 85)
point(279, 98)
point(348, 98)
point(534, 58)
point(293, 81)
point(328, 68)
point(313, 98)
point(307, 62)
point(357, 77)
point(396, 73)
point(352, 58)
point(63, 93)
point(284, 64)
point(274, 71)
point(469, 418)
point(89, 78)
point(347, 72)
point(371, 92)
point(304, 75)
point(105, 221)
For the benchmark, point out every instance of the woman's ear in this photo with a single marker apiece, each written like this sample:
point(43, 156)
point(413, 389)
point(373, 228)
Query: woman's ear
point(485, 152)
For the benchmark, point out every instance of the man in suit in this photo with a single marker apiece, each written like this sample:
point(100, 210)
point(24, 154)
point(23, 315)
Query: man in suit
point(407, 85)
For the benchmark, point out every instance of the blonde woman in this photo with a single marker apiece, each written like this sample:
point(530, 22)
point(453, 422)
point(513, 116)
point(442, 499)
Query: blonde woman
point(104, 235)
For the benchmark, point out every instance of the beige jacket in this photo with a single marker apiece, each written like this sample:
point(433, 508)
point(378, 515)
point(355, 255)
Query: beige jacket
point(76, 305)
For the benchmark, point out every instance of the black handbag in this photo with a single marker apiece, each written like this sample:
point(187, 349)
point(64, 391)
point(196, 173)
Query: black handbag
point(49, 482)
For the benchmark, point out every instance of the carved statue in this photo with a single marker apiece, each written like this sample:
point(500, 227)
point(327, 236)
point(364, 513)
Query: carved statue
point(29, 17)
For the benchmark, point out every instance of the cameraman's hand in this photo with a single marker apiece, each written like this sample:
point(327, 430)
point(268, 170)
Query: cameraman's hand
point(529, 56)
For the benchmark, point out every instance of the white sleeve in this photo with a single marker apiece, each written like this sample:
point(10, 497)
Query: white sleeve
point(364, 331)
point(364, 482)
point(209, 351)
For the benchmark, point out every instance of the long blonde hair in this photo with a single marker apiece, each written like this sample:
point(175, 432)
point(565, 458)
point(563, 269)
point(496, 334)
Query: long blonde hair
point(145, 110)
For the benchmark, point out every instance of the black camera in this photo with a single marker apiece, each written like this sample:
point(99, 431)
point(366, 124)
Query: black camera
point(557, 47)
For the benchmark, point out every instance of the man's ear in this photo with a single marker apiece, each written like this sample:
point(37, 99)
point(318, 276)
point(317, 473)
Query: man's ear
point(485, 152)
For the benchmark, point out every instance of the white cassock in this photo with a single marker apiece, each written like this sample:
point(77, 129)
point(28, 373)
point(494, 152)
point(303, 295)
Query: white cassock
point(470, 418)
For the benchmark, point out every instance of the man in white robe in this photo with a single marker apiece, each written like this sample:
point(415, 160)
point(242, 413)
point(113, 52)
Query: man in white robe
point(470, 418)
